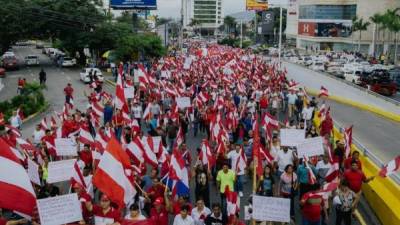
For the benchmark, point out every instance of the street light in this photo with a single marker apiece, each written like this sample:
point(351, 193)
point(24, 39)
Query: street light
point(279, 3)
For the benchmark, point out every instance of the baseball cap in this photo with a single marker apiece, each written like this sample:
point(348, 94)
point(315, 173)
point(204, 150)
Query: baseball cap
point(158, 201)
point(104, 198)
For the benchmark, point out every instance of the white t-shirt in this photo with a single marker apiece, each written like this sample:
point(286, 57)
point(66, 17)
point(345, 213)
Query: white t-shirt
point(307, 113)
point(283, 159)
point(274, 150)
point(196, 215)
point(292, 98)
point(155, 109)
point(322, 165)
point(251, 106)
point(137, 111)
point(187, 221)
point(37, 136)
point(258, 95)
point(15, 121)
point(141, 217)
point(234, 156)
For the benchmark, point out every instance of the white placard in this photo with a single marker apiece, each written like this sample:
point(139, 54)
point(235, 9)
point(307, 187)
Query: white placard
point(62, 209)
point(129, 92)
point(156, 143)
point(310, 147)
point(292, 137)
point(65, 147)
point(183, 102)
point(271, 209)
point(60, 170)
point(33, 172)
point(247, 215)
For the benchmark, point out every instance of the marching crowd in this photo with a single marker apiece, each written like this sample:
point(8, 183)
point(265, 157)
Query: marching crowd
point(135, 155)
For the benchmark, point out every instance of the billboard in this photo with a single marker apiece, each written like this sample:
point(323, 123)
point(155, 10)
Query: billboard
point(134, 4)
point(258, 5)
point(307, 29)
point(333, 30)
point(267, 22)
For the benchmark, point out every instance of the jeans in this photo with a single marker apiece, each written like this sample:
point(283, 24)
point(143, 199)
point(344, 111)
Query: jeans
point(195, 128)
point(343, 216)
point(223, 202)
point(239, 183)
point(308, 222)
point(118, 132)
point(171, 142)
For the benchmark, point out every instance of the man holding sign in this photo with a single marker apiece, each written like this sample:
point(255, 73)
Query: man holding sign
point(104, 214)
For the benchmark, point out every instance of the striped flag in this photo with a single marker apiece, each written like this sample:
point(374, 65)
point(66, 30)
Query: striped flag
point(391, 167)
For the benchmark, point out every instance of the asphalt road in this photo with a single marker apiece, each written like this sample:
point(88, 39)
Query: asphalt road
point(58, 78)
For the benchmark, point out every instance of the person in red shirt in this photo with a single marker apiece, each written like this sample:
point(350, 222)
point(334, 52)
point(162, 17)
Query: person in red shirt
point(85, 155)
point(156, 191)
point(354, 156)
point(118, 122)
point(85, 200)
point(312, 204)
point(50, 138)
point(356, 178)
point(158, 213)
point(68, 91)
point(104, 213)
point(263, 104)
point(175, 208)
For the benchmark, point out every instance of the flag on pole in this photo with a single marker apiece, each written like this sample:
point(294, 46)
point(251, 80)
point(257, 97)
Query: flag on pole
point(323, 92)
point(348, 136)
point(391, 167)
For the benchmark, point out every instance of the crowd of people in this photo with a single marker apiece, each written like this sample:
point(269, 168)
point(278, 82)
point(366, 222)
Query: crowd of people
point(238, 106)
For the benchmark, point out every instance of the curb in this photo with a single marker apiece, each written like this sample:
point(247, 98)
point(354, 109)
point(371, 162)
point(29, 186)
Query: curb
point(31, 117)
point(373, 109)
point(112, 83)
point(359, 217)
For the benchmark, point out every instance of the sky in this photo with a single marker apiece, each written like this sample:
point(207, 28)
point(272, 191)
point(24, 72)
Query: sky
point(172, 8)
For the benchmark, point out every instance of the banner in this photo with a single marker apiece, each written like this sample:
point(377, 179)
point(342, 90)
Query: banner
point(292, 137)
point(33, 172)
point(258, 5)
point(65, 147)
point(59, 210)
point(133, 4)
point(183, 102)
point(271, 209)
point(310, 147)
point(60, 170)
point(129, 92)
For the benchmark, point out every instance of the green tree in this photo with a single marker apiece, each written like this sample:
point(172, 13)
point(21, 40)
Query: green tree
point(229, 23)
point(359, 25)
point(194, 23)
point(376, 19)
point(392, 22)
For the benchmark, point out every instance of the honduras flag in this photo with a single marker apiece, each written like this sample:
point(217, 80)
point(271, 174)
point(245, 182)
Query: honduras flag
point(177, 178)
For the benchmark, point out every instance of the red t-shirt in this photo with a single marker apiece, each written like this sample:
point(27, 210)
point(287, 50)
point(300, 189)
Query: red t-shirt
point(355, 179)
point(312, 207)
point(68, 90)
point(159, 218)
point(118, 119)
point(177, 208)
point(111, 216)
point(83, 198)
point(156, 191)
point(86, 157)
point(263, 103)
point(347, 164)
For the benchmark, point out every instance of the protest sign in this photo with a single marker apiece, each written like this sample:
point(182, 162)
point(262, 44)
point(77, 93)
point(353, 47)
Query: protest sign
point(247, 215)
point(292, 137)
point(156, 142)
point(310, 147)
point(271, 209)
point(129, 92)
point(183, 102)
point(65, 147)
point(62, 209)
point(60, 170)
point(33, 172)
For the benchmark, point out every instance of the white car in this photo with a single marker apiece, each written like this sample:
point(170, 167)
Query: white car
point(68, 62)
point(317, 66)
point(32, 60)
point(84, 74)
point(353, 76)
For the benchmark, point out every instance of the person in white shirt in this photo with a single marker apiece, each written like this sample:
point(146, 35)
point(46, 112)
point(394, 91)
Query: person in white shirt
point(134, 213)
point(200, 212)
point(183, 217)
point(15, 120)
point(137, 111)
point(292, 97)
point(37, 135)
point(284, 158)
point(234, 156)
point(307, 114)
point(155, 108)
point(251, 106)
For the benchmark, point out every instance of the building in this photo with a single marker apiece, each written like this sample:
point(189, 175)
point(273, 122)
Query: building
point(208, 12)
point(326, 24)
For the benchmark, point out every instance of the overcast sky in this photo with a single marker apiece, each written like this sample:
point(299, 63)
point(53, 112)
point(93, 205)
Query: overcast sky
point(171, 8)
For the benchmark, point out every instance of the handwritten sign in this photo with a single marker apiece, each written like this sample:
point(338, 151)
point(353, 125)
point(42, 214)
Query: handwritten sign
point(292, 137)
point(60, 170)
point(33, 172)
point(129, 92)
point(271, 209)
point(65, 147)
point(311, 147)
point(183, 102)
point(59, 210)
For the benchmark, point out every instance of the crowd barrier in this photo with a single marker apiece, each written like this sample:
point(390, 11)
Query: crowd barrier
point(382, 194)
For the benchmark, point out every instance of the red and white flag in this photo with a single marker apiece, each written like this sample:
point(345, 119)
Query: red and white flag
point(323, 92)
point(43, 124)
point(391, 167)
point(232, 202)
point(311, 176)
point(77, 177)
point(149, 151)
point(16, 191)
point(85, 137)
point(205, 155)
point(348, 137)
point(25, 144)
point(15, 131)
point(112, 176)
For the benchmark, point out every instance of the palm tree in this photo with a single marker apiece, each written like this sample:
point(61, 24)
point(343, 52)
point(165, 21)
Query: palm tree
point(193, 23)
point(393, 25)
point(229, 22)
point(377, 20)
point(359, 25)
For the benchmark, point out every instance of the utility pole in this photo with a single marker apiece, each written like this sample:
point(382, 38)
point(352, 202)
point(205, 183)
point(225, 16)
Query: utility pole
point(280, 35)
point(255, 26)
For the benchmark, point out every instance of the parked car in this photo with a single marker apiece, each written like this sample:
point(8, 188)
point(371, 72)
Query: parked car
point(379, 81)
point(10, 62)
point(39, 45)
point(317, 66)
point(2, 72)
point(353, 76)
point(84, 74)
point(68, 62)
point(32, 60)
point(395, 76)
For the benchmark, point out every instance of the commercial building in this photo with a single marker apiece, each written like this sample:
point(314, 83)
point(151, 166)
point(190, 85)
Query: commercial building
point(208, 12)
point(326, 24)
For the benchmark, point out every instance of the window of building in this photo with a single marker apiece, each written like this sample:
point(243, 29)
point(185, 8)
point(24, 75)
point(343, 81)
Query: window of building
point(204, 3)
point(339, 12)
point(204, 7)
point(205, 12)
